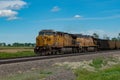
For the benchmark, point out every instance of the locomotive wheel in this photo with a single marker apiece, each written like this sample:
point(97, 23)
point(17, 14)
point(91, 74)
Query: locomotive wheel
point(79, 50)
point(42, 54)
point(95, 49)
point(56, 52)
point(53, 52)
point(49, 53)
point(38, 54)
point(62, 52)
point(84, 49)
point(74, 50)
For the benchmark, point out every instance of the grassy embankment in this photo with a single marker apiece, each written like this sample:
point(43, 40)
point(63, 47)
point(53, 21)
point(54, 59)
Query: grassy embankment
point(30, 75)
point(4, 55)
point(14, 52)
point(110, 73)
point(96, 69)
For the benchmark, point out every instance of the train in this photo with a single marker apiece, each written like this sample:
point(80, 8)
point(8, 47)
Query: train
point(50, 42)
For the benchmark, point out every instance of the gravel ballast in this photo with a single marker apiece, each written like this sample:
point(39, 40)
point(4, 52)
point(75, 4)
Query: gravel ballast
point(59, 73)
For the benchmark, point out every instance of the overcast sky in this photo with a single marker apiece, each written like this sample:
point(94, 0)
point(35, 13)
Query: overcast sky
point(21, 20)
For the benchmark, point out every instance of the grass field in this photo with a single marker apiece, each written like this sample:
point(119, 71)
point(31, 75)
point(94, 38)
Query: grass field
point(104, 69)
point(99, 68)
point(112, 73)
point(30, 75)
point(16, 55)
point(14, 52)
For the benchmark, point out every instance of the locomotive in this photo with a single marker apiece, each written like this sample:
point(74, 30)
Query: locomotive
point(50, 42)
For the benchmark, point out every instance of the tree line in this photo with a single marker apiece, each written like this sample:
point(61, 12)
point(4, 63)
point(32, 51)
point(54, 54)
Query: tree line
point(17, 45)
point(95, 35)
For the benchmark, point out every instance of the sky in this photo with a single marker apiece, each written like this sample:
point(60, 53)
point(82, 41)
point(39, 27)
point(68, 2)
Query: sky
point(21, 20)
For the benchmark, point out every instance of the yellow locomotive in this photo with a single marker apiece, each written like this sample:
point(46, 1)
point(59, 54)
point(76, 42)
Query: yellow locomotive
point(54, 42)
point(87, 43)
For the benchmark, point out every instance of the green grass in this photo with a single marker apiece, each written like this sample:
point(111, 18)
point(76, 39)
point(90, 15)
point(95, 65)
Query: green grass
point(32, 75)
point(98, 62)
point(16, 47)
point(112, 73)
point(4, 55)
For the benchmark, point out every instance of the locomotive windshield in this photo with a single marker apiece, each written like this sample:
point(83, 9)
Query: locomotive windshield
point(46, 33)
point(41, 33)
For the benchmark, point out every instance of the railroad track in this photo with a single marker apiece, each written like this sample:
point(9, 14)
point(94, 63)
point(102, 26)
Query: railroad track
point(24, 59)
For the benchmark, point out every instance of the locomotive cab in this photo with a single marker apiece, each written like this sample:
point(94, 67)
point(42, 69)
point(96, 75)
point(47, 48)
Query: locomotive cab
point(45, 38)
point(44, 41)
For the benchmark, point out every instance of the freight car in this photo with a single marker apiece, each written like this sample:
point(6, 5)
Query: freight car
point(106, 44)
point(53, 42)
point(117, 43)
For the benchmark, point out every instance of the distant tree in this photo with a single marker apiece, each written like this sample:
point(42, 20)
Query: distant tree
point(23, 44)
point(9, 45)
point(114, 39)
point(2, 44)
point(106, 37)
point(16, 44)
point(95, 35)
point(33, 44)
point(29, 44)
point(118, 37)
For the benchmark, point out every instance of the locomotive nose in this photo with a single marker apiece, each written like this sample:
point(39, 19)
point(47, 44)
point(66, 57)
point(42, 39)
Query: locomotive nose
point(46, 40)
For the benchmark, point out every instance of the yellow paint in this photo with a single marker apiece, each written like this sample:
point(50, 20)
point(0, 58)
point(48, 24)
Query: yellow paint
point(85, 42)
point(45, 40)
point(54, 40)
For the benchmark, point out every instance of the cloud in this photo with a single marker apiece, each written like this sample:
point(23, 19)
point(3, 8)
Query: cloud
point(7, 13)
point(9, 8)
point(77, 16)
point(55, 9)
point(12, 18)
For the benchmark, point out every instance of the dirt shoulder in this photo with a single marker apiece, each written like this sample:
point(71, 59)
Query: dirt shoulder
point(14, 50)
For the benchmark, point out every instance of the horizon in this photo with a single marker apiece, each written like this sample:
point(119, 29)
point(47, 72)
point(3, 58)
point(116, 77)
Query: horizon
point(21, 20)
